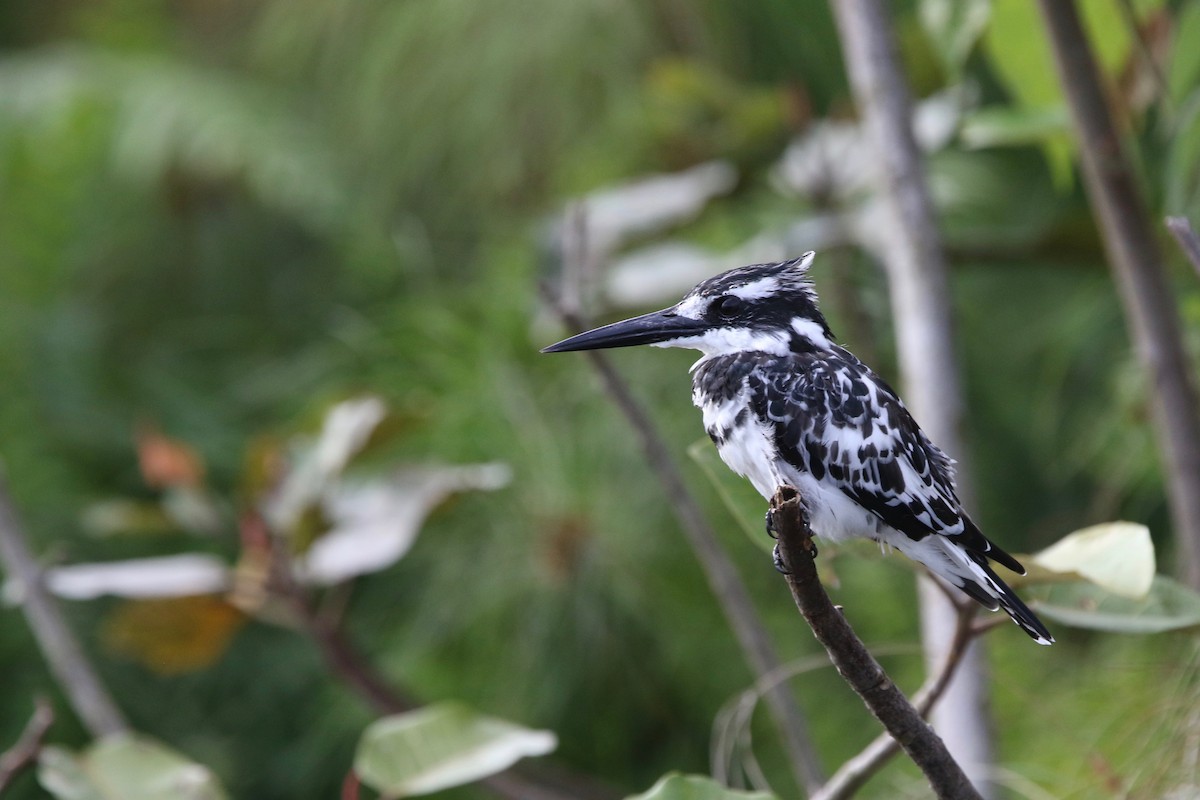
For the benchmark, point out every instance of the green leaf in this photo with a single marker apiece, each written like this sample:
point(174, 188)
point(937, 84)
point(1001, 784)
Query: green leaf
point(1117, 556)
point(953, 27)
point(1168, 606)
point(744, 504)
point(441, 746)
point(1184, 70)
point(1017, 47)
point(674, 786)
point(126, 768)
point(1006, 126)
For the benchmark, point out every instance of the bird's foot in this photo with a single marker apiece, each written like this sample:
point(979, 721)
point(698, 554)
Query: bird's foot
point(777, 560)
point(777, 557)
point(771, 524)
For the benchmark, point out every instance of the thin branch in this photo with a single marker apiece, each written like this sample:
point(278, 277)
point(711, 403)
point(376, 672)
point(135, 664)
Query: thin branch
point(23, 754)
point(855, 772)
point(70, 666)
point(852, 659)
point(1186, 236)
point(723, 578)
point(1137, 265)
point(1129, 17)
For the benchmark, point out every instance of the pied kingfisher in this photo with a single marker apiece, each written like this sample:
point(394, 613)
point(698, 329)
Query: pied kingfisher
point(786, 406)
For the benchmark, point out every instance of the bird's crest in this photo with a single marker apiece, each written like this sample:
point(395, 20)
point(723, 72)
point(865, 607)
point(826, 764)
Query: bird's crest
point(759, 281)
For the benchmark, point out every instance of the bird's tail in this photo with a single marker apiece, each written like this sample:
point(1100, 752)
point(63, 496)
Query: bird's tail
point(970, 572)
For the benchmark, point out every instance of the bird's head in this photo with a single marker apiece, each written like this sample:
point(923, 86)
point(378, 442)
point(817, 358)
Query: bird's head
point(767, 307)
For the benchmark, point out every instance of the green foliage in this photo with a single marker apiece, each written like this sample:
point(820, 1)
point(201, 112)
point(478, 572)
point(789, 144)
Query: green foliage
point(225, 218)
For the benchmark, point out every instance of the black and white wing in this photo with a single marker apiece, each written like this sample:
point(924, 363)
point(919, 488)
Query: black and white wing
point(841, 424)
point(837, 420)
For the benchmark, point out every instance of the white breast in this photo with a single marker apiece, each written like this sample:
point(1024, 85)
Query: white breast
point(750, 452)
point(745, 449)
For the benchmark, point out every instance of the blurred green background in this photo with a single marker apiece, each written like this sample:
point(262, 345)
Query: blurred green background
point(218, 218)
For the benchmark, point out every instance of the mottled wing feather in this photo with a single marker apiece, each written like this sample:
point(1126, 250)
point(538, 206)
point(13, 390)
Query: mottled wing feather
point(845, 426)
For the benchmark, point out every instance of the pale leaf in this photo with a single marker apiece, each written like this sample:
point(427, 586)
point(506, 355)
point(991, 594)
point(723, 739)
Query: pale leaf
point(374, 523)
point(163, 576)
point(346, 429)
point(127, 767)
point(441, 746)
point(1117, 556)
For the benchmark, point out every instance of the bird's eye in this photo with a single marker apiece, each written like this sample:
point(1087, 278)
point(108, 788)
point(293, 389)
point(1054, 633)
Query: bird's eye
point(729, 306)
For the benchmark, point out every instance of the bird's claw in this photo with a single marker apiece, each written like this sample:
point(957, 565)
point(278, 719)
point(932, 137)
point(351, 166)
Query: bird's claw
point(777, 561)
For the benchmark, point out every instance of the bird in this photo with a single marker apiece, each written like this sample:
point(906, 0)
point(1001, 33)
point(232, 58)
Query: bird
point(786, 405)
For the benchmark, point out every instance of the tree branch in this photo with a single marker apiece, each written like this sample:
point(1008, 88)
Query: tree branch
point(23, 754)
point(856, 771)
point(852, 659)
point(723, 578)
point(1185, 236)
point(58, 644)
point(1136, 263)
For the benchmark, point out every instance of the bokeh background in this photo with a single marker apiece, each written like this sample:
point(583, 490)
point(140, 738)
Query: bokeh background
point(218, 219)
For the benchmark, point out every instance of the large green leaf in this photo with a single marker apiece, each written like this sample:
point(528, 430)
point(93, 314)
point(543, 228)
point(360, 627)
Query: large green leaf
point(441, 746)
point(126, 768)
point(1168, 606)
point(1116, 556)
point(1018, 50)
point(674, 786)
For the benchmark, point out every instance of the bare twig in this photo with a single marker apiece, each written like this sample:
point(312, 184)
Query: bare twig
point(1137, 265)
point(852, 659)
point(722, 576)
point(71, 668)
point(1186, 236)
point(856, 771)
point(23, 754)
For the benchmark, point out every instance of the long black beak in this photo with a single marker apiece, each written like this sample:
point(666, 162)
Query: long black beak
point(658, 326)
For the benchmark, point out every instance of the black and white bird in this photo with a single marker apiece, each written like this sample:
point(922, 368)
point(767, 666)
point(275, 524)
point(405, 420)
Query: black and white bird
point(785, 405)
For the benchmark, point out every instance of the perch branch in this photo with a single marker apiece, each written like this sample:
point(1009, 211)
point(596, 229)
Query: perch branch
point(58, 644)
point(723, 579)
point(856, 771)
point(852, 659)
point(23, 754)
